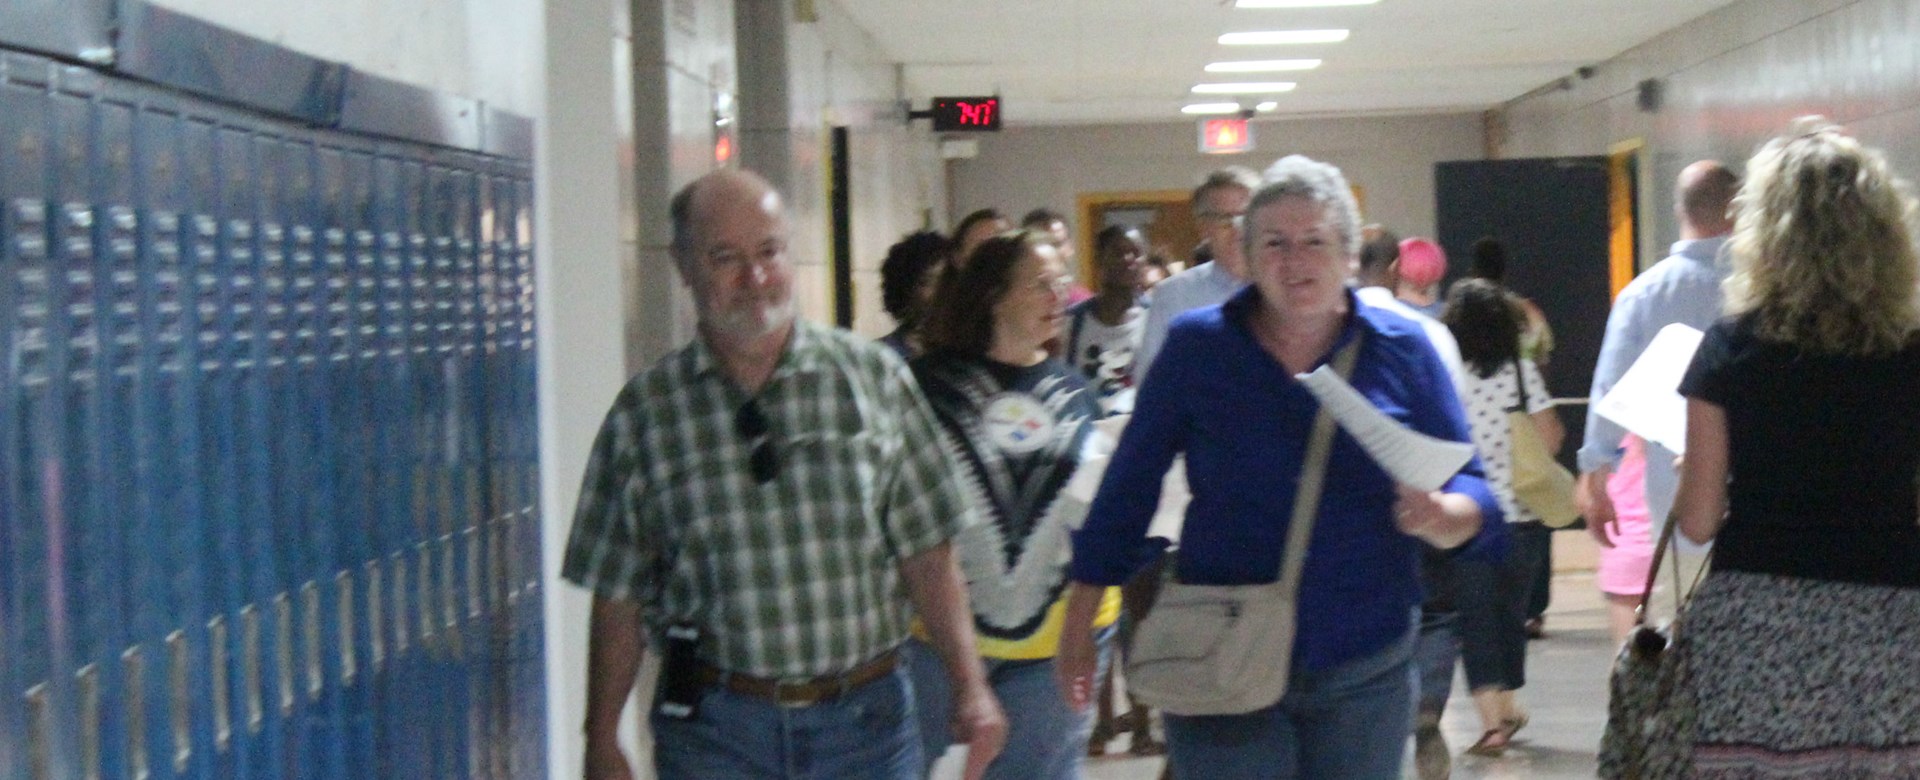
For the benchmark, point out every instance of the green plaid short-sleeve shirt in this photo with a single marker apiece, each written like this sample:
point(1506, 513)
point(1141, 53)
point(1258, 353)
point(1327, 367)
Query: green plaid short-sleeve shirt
point(796, 577)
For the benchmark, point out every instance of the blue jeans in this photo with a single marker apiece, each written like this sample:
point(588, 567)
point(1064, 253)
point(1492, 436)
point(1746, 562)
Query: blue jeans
point(1435, 654)
point(1349, 722)
point(868, 734)
point(1045, 739)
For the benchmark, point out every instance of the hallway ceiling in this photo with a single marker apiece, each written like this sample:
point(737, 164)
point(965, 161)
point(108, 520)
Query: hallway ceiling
point(1110, 61)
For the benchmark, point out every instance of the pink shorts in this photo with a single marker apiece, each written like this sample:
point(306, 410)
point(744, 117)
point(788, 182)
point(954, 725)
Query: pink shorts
point(1623, 567)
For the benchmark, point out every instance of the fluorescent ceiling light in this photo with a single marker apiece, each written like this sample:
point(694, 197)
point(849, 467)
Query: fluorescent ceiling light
point(1243, 87)
point(1270, 37)
point(1267, 106)
point(1261, 66)
point(1299, 3)
point(1210, 108)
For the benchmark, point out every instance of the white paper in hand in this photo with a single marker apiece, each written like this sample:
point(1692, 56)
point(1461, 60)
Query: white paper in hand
point(1412, 458)
point(1647, 398)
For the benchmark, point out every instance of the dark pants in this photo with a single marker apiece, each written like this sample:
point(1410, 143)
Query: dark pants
point(1493, 598)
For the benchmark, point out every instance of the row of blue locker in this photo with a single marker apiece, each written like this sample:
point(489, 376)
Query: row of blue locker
point(269, 506)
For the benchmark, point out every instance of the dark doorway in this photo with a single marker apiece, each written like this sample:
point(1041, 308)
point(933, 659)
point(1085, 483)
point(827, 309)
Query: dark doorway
point(1552, 213)
point(842, 207)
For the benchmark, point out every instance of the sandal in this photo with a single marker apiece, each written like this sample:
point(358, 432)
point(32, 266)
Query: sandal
point(1486, 748)
point(1102, 734)
point(1146, 745)
point(1514, 724)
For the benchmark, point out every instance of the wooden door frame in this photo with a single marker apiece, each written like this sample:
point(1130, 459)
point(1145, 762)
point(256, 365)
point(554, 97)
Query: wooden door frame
point(1090, 202)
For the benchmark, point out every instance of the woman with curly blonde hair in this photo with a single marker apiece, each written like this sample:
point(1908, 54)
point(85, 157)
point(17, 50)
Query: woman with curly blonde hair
point(1803, 446)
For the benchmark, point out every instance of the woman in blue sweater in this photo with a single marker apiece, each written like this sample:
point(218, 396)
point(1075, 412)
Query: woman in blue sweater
point(1223, 394)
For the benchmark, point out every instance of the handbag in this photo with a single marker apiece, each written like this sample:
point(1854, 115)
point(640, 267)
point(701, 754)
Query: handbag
point(1540, 483)
point(1228, 649)
point(1651, 712)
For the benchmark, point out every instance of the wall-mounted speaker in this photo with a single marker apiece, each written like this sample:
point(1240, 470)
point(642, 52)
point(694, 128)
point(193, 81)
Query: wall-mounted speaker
point(1651, 91)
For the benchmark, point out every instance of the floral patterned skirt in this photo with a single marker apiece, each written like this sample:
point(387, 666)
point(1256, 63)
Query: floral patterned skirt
point(1798, 678)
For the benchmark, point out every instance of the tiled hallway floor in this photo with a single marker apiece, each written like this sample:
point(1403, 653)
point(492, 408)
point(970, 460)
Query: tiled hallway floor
point(1566, 693)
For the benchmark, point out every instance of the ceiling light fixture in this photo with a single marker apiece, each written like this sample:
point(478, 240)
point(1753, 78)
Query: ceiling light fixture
point(1276, 37)
point(1299, 3)
point(1261, 66)
point(1267, 106)
point(1210, 108)
point(1243, 87)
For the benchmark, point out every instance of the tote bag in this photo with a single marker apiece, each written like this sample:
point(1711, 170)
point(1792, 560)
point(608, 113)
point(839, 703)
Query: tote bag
point(1540, 483)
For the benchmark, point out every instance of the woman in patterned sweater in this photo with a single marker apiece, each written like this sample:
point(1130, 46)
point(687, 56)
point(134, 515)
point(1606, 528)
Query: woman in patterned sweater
point(1018, 421)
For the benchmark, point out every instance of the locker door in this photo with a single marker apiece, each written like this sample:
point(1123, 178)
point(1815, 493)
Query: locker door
point(37, 695)
point(398, 740)
point(211, 378)
point(257, 660)
point(92, 477)
point(178, 693)
point(129, 431)
point(351, 264)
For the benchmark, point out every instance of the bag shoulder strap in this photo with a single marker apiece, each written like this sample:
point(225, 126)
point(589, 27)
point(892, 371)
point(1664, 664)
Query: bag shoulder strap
point(1313, 473)
point(1520, 382)
point(1653, 574)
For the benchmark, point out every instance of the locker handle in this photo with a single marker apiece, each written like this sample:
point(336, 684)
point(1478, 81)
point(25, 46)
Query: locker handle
point(177, 658)
point(250, 666)
point(217, 665)
point(376, 622)
point(283, 650)
point(133, 665)
point(425, 579)
point(449, 592)
point(89, 679)
point(349, 664)
point(310, 608)
point(400, 636)
point(40, 751)
point(473, 572)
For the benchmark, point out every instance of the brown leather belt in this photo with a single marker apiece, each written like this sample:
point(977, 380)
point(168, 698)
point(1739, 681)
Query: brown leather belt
point(802, 693)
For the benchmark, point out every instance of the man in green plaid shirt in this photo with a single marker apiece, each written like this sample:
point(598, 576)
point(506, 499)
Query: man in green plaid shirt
point(772, 485)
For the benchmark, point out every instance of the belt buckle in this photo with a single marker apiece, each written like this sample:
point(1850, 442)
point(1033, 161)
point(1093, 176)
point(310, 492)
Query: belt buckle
point(799, 701)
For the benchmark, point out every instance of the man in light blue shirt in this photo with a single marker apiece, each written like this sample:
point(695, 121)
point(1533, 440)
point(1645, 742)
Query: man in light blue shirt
point(1683, 288)
point(1218, 203)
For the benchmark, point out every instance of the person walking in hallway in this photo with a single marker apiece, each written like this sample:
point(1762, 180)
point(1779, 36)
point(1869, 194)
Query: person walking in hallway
point(754, 505)
point(1683, 288)
point(1218, 205)
point(1224, 396)
point(1803, 446)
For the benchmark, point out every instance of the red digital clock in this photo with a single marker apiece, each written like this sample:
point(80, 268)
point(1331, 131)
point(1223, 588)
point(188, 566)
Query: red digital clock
point(966, 114)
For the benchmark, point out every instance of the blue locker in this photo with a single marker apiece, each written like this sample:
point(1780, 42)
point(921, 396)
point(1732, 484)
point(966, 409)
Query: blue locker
point(346, 182)
point(212, 379)
point(257, 661)
point(128, 431)
point(178, 716)
point(30, 456)
point(398, 741)
point(93, 478)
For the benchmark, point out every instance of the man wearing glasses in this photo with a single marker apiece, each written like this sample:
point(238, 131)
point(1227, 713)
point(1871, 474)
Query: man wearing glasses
point(755, 501)
point(1217, 204)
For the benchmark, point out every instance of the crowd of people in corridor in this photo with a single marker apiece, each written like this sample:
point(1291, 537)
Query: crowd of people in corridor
point(850, 555)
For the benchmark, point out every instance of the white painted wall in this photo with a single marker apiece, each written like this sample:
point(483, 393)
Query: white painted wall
point(484, 49)
point(1732, 79)
point(801, 78)
point(1390, 158)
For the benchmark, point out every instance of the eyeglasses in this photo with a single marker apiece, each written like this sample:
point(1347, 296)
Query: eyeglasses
point(751, 425)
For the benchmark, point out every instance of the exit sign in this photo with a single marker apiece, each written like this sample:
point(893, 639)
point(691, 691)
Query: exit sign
point(1225, 136)
point(962, 114)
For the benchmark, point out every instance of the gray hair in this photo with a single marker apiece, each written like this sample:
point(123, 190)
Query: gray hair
point(1296, 176)
point(1230, 176)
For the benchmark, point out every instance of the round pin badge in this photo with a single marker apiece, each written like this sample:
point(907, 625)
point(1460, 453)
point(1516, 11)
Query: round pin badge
point(1018, 423)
